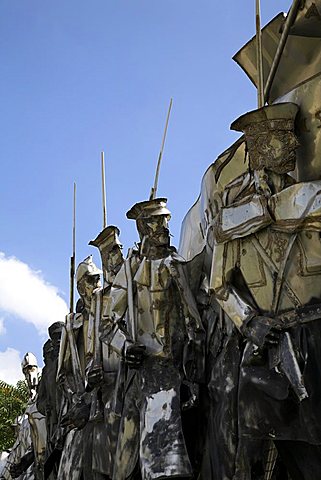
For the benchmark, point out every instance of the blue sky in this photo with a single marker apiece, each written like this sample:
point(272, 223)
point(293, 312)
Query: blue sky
point(80, 77)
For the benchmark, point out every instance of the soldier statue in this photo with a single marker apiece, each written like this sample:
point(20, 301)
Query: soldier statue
point(75, 408)
point(266, 275)
point(102, 366)
point(38, 432)
point(153, 323)
point(21, 447)
point(49, 393)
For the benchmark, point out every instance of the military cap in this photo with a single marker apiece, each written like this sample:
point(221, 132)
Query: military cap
point(87, 267)
point(148, 208)
point(279, 116)
point(107, 239)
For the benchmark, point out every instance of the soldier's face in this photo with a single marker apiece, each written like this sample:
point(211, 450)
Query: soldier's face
point(31, 375)
point(157, 229)
point(91, 282)
point(114, 259)
point(278, 151)
point(56, 336)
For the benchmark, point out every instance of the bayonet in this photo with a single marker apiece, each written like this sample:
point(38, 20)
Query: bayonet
point(69, 328)
point(154, 188)
point(103, 189)
point(75, 360)
point(73, 257)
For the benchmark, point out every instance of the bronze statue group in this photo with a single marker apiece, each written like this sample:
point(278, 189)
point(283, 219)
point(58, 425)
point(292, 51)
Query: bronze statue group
point(208, 369)
point(205, 363)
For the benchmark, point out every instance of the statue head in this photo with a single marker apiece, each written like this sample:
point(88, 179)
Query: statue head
point(110, 250)
point(87, 278)
point(29, 367)
point(55, 331)
point(270, 138)
point(152, 219)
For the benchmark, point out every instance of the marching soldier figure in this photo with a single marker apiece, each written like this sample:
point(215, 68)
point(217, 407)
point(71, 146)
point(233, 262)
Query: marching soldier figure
point(102, 364)
point(37, 422)
point(49, 393)
point(21, 447)
point(153, 323)
point(75, 407)
point(266, 274)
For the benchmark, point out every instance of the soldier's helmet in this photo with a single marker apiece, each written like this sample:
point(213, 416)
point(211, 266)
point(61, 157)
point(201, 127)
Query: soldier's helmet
point(87, 267)
point(149, 208)
point(29, 361)
point(107, 239)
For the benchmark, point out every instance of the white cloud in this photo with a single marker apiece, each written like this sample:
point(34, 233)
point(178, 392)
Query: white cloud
point(2, 327)
point(24, 293)
point(10, 366)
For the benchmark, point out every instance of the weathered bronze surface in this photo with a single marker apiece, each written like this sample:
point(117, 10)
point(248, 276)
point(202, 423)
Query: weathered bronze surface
point(202, 364)
point(160, 341)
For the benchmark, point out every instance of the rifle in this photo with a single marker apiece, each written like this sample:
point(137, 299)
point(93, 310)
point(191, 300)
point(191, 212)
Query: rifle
point(130, 296)
point(121, 375)
point(54, 457)
point(96, 365)
point(76, 368)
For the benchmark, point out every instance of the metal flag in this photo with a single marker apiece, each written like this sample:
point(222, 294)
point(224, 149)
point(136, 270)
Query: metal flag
point(288, 59)
point(292, 72)
point(297, 79)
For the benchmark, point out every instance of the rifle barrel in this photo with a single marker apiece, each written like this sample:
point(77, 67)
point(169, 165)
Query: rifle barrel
point(154, 188)
point(259, 58)
point(130, 296)
point(73, 257)
point(103, 189)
